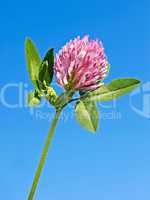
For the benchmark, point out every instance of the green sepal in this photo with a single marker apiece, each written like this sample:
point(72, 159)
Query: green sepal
point(51, 95)
point(33, 99)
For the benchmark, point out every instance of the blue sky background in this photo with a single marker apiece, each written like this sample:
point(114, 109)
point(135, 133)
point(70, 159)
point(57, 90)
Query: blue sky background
point(115, 163)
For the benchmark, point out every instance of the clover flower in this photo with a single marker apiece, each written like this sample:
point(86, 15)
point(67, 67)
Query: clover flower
point(81, 65)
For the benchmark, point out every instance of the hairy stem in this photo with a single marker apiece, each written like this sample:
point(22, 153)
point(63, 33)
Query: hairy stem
point(43, 156)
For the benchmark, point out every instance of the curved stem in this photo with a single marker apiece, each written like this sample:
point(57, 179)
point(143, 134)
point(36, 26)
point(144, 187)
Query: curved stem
point(79, 98)
point(75, 99)
point(43, 156)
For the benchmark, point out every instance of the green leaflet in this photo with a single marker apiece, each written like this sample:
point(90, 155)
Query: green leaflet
point(87, 115)
point(33, 62)
point(116, 88)
point(46, 68)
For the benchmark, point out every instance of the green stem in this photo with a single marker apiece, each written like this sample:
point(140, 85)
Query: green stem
point(43, 156)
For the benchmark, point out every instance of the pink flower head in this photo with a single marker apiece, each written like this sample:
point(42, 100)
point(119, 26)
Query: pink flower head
point(81, 65)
